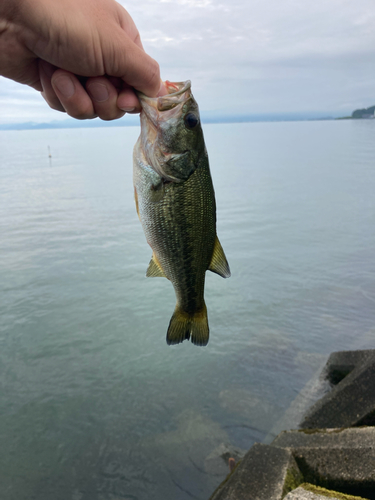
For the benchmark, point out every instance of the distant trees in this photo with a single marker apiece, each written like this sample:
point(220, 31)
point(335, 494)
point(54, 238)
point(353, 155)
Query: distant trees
point(364, 113)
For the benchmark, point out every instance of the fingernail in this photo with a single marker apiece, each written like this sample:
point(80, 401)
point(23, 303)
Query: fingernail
point(65, 85)
point(128, 110)
point(98, 92)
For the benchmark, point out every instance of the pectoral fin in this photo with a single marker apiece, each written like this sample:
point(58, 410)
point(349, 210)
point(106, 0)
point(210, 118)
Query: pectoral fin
point(219, 263)
point(154, 269)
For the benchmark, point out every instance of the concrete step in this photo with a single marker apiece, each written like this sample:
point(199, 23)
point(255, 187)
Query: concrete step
point(351, 402)
point(265, 473)
point(334, 449)
point(311, 492)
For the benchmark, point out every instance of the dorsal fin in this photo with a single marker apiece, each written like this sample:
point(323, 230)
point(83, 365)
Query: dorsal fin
point(219, 263)
point(154, 269)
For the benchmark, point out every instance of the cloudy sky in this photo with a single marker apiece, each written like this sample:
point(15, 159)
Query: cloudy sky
point(248, 56)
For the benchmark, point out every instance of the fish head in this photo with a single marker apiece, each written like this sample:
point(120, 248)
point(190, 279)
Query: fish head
point(171, 134)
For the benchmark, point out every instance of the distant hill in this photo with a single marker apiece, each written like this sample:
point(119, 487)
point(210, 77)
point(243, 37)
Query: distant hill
point(364, 113)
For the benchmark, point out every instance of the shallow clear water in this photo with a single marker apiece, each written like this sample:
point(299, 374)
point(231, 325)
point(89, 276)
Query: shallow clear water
point(94, 404)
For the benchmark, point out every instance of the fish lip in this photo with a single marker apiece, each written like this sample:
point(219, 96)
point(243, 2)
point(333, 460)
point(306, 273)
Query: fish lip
point(167, 102)
point(184, 87)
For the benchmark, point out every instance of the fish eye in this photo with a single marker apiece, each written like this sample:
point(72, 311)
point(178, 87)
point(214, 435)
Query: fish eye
point(191, 121)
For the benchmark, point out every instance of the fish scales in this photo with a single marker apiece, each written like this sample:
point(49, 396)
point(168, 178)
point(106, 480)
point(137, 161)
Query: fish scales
point(181, 230)
point(176, 205)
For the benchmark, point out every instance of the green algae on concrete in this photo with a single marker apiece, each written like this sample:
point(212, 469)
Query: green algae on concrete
point(328, 493)
point(330, 430)
point(293, 479)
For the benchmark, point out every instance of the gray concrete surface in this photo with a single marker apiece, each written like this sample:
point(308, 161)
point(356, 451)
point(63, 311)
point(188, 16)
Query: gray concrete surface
point(350, 470)
point(341, 363)
point(356, 437)
point(338, 459)
point(265, 473)
point(334, 449)
point(310, 492)
point(352, 401)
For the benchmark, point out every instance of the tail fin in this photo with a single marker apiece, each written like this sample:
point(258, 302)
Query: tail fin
point(183, 326)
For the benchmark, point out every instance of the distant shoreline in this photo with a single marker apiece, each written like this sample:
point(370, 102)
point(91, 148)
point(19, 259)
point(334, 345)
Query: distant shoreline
point(134, 121)
point(361, 114)
point(206, 117)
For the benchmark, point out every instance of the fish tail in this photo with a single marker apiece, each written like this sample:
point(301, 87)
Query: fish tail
point(184, 326)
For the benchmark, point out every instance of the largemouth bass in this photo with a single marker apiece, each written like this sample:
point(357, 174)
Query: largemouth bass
point(175, 201)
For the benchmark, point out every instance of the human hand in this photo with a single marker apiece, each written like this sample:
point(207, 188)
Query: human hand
point(85, 56)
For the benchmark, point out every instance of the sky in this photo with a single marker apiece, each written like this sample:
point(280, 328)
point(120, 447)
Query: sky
point(249, 57)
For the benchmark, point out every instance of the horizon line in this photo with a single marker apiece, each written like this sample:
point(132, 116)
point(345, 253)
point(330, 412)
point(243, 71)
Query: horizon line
point(208, 118)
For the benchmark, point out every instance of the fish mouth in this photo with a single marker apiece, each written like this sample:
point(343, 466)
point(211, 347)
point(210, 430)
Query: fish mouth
point(160, 119)
point(163, 108)
point(175, 88)
point(176, 95)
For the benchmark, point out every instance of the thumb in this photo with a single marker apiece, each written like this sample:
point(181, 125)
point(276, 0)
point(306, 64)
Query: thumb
point(135, 67)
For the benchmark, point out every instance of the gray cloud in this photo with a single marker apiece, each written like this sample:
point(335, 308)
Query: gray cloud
point(251, 57)
point(265, 56)
point(19, 103)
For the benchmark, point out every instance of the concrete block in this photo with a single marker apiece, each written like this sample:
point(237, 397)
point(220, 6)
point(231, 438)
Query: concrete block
point(354, 437)
point(338, 459)
point(311, 492)
point(352, 401)
point(341, 363)
point(349, 470)
point(335, 449)
point(265, 473)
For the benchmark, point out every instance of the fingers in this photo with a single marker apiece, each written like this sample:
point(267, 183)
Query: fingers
point(108, 97)
point(63, 91)
point(141, 71)
point(72, 95)
point(104, 96)
point(131, 62)
point(46, 70)
point(163, 89)
point(127, 100)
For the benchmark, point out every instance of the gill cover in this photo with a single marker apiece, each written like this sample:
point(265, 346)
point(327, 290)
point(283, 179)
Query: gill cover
point(171, 134)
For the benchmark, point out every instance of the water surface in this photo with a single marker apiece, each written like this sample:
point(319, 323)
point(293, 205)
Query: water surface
point(94, 405)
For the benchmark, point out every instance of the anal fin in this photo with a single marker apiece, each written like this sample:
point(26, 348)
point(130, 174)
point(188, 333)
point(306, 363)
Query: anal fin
point(154, 269)
point(219, 263)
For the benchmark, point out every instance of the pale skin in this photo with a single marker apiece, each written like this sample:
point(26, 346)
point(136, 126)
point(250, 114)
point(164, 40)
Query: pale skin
point(85, 56)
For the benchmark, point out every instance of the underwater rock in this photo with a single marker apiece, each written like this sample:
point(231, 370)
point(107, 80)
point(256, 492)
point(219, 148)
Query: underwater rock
point(217, 462)
point(181, 452)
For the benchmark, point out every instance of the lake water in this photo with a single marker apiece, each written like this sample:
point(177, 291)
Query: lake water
point(94, 404)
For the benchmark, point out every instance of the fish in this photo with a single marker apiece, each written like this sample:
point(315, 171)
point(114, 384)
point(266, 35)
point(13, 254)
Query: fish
point(175, 202)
